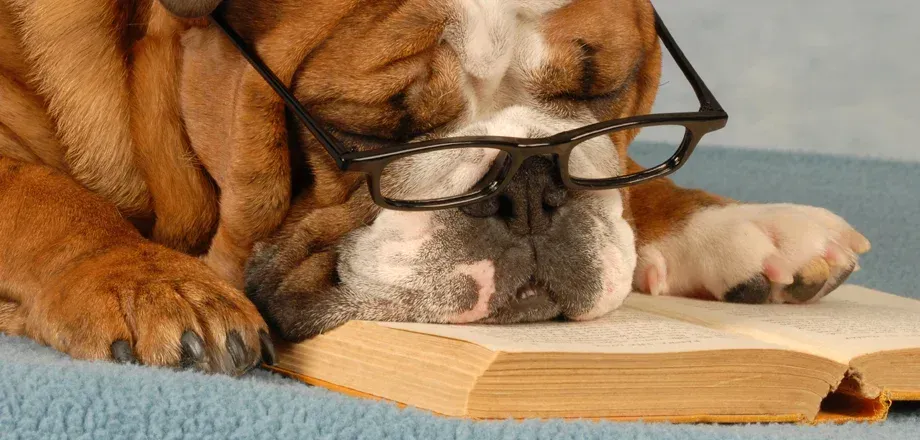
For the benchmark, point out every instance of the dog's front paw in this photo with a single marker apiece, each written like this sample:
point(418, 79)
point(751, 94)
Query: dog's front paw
point(753, 254)
point(150, 305)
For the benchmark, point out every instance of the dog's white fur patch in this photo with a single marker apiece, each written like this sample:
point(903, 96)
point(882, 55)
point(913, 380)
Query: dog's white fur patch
point(498, 43)
point(384, 253)
point(617, 258)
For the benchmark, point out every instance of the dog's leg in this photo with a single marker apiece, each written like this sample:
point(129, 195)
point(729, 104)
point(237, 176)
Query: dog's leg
point(78, 66)
point(75, 275)
point(184, 200)
point(693, 243)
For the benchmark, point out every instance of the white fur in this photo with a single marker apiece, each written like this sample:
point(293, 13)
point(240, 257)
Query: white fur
point(618, 260)
point(383, 254)
point(499, 45)
point(722, 247)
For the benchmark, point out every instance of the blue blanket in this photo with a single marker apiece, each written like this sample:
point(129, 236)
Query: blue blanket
point(44, 395)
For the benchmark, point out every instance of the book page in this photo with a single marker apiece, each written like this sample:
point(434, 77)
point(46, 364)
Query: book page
point(850, 322)
point(621, 331)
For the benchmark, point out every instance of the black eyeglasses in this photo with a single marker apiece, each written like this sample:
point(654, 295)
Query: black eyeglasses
point(501, 157)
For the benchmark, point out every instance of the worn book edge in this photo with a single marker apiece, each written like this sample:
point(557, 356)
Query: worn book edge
point(836, 407)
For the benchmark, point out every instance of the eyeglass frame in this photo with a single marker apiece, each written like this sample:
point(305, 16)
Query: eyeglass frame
point(710, 117)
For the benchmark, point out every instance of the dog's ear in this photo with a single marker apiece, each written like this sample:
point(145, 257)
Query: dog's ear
point(190, 8)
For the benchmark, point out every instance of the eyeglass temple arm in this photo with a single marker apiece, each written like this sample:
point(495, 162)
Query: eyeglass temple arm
point(335, 149)
point(708, 102)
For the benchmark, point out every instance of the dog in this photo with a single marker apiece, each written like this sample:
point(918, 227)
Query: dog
point(148, 176)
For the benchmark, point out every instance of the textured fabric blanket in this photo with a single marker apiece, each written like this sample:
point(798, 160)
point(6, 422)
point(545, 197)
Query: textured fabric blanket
point(44, 395)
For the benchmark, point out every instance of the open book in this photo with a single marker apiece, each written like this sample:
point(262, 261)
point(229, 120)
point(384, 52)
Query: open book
point(655, 358)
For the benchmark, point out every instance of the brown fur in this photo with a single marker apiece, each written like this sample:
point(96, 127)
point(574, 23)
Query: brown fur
point(116, 110)
point(185, 204)
point(91, 89)
point(77, 276)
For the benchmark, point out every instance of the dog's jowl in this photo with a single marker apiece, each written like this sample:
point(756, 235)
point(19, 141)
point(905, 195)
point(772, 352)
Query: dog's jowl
point(149, 176)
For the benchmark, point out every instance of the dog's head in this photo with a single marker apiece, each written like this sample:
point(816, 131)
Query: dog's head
point(380, 72)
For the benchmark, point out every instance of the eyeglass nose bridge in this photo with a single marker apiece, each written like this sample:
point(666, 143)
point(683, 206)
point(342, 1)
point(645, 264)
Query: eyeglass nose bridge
point(559, 152)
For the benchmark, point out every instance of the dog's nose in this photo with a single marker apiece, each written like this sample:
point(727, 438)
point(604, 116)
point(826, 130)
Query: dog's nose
point(529, 203)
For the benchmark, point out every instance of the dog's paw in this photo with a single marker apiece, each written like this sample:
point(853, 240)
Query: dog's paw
point(153, 306)
point(753, 254)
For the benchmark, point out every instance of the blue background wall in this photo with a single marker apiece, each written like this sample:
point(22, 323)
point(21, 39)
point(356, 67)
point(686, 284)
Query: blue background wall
point(828, 76)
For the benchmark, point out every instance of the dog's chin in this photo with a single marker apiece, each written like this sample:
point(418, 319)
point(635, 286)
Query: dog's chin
point(531, 302)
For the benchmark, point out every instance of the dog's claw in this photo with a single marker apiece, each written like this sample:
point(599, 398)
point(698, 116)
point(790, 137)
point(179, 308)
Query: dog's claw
point(839, 277)
point(122, 352)
point(192, 349)
point(801, 290)
point(268, 349)
point(753, 291)
point(237, 349)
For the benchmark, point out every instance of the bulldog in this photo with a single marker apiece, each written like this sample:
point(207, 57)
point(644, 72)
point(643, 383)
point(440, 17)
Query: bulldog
point(151, 172)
